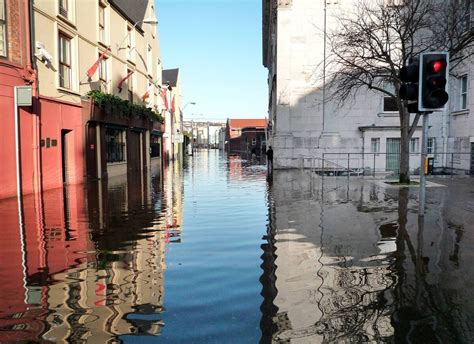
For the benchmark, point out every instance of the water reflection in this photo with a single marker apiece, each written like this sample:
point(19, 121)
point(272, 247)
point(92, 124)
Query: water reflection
point(83, 263)
point(350, 261)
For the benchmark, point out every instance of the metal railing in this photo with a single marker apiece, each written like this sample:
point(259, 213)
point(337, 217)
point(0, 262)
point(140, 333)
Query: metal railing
point(384, 164)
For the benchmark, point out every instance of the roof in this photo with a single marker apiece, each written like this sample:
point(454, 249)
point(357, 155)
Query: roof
point(171, 76)
point(134, 10)
point(239, 124)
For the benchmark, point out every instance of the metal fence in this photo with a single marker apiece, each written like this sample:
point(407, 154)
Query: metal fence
point(386, 164)
point(115, 151)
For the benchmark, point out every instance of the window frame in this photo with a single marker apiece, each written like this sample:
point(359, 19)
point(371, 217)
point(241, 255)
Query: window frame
point(149, 60)
point(375, 140)
point(463, 93)
point(62, 35)
point(414, 143)
point(103, 70)
point(130, 42)
point(431, 145)
point(385, 98)
point(3, 23)
point(103, 25)
point(130, 86)
point(63, 10)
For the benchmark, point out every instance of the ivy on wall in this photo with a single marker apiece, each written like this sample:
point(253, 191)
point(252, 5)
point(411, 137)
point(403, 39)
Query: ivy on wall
point(113, 105)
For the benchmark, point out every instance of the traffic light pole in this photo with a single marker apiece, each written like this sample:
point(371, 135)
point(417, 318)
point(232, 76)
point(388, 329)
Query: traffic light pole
point(423, 162)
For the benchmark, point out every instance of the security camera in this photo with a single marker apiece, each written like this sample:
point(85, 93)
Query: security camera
point(43, 54)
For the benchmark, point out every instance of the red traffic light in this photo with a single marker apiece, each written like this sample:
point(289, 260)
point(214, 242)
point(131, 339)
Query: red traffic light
point(438, 65)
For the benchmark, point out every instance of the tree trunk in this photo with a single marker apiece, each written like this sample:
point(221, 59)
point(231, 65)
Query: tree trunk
point(404, 147)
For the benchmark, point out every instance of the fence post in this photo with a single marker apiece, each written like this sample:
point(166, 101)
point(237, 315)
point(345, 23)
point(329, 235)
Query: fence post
point(322, 169)
point(374, 167)
point(348, 164)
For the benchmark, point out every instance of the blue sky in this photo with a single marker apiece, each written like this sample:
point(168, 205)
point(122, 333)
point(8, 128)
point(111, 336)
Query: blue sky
point(217, 45)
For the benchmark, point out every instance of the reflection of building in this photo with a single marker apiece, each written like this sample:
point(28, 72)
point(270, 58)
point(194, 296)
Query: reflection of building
point(246, 135)
point(77, 273)
point(353, 263)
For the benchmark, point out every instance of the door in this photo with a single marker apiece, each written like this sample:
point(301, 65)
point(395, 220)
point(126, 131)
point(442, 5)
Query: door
point(65, 137)
point(472, 157)
point(91, 151)
point(133, 151)
point(392, 161)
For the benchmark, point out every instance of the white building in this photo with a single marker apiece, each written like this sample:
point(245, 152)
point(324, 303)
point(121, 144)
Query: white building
point(302, 130)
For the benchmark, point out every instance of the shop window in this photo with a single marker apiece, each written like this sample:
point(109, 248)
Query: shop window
point(115, 145)
point(155, 146)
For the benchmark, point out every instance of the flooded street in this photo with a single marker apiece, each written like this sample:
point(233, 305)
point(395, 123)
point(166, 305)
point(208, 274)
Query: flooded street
point(214, 252)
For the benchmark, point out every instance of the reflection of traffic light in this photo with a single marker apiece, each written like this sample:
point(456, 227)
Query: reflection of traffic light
point(433, 80)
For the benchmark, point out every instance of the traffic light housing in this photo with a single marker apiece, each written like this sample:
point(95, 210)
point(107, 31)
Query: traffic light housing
point(409, 75)
point(433, 77)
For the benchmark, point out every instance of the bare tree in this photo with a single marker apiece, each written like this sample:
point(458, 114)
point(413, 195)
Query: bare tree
point(378, 37)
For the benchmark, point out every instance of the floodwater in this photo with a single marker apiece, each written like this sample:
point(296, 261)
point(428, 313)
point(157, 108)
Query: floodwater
point(216, 252)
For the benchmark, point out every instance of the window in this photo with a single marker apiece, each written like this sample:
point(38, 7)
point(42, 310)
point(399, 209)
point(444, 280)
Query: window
point(103, 70)
point(149, 60)
point(155, 148)
point(375, 145)
point(463, 98)
point(389, 104)
point(431, 148)
point(129, 42)
point(64, 61)
point(102, 36)
point(130, 86)
point(115, 145)
point(63, 7)
point(3, 29)
point(414, 145)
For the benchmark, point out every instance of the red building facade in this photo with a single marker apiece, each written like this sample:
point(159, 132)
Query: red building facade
point(16, 70)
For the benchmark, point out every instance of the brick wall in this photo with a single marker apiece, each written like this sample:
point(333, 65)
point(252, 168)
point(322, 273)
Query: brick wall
point(14, 31)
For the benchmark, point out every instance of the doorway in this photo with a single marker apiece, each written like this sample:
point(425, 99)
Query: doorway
point(392, 162)
point(65, 142)
point(472, 158)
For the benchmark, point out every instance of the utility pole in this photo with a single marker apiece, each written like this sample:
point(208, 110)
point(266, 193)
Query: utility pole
point(423, 162)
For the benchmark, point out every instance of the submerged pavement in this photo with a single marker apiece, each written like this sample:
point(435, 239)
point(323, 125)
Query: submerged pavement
point(353, 262)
